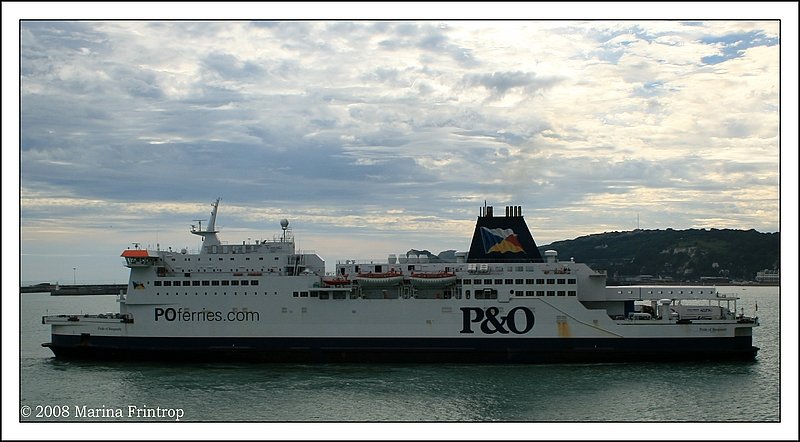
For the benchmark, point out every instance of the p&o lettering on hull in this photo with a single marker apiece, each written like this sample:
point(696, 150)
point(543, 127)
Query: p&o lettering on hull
point(519, 320)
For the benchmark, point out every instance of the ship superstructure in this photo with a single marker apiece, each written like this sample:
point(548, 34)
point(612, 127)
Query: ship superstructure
point(501, 301)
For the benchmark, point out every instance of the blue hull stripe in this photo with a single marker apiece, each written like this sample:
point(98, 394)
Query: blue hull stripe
point(518, 350)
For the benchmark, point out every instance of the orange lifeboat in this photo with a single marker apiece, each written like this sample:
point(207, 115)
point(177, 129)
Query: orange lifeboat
point(336, 281)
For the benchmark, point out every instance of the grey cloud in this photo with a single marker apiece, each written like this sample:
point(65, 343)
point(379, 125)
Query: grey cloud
point(56, 37)
point(138, 82)
point(499, 83)
point(430, 39)
point(230, 67)
point(214, 96)
point(737, 128)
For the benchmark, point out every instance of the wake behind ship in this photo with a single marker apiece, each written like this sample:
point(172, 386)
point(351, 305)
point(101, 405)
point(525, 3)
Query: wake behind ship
point(501, 301)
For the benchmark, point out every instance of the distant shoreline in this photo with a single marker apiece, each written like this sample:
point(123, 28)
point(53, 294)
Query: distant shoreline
point(75, 290)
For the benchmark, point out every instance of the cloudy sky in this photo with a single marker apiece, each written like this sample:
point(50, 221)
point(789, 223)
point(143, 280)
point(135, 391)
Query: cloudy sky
point(374, 137)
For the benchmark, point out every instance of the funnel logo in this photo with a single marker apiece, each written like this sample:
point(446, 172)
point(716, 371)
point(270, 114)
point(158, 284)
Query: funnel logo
point(500, 241)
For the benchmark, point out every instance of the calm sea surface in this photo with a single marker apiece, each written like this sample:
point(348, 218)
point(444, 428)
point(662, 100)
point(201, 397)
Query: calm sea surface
point(641, 392)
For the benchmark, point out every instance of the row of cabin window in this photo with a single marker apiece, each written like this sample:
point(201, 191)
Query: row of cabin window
point(540, 281)
point(669, 292)
point(260, 258)
point(492, 294)
point(479, 294)
point(507, 268)
point(205, 283)
point(215, 293)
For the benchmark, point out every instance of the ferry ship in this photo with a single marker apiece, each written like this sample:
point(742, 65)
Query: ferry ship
point(501, 301)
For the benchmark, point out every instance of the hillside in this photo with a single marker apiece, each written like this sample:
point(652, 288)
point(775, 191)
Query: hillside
point(680, 255)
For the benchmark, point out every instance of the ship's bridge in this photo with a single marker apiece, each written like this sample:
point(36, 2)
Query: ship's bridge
point(139, 258)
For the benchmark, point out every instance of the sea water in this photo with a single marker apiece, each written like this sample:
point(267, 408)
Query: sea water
point(69, 391)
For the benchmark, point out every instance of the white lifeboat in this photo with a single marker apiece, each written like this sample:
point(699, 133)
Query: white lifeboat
point(379, 279)
point(432, 279)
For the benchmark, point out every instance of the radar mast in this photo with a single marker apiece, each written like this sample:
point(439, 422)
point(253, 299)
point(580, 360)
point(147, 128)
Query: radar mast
point(210, 233)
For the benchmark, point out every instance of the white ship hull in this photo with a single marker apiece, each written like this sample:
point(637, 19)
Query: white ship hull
point(281, 309)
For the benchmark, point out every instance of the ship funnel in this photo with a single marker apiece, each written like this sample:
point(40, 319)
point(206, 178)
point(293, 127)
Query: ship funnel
point(502, 239)
point(551, 256)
